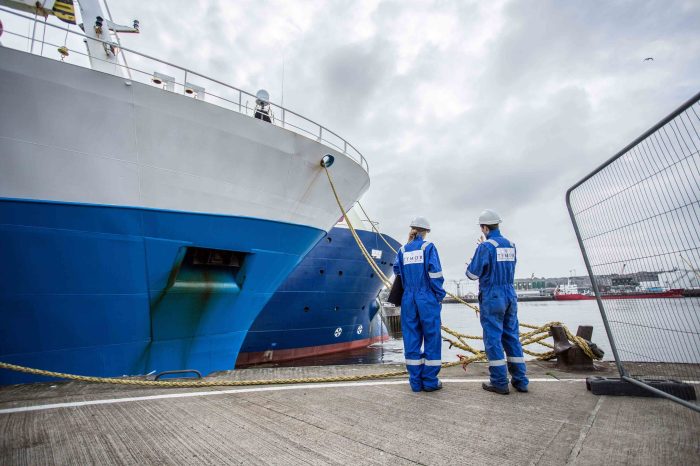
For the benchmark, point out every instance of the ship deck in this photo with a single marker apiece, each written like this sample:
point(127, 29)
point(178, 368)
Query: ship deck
point(375, 422)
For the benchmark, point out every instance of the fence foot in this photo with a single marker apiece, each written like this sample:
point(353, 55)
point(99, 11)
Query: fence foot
point(614, 386)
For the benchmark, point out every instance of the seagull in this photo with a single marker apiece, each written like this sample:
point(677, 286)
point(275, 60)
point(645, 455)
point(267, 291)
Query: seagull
point(649, 59)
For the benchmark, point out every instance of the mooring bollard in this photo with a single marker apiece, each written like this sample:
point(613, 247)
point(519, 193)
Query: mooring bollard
point(569, 356)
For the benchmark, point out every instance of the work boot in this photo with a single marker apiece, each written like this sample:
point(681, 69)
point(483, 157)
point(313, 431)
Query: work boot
point(520, 389)
point(433, 389)
point(492, 388)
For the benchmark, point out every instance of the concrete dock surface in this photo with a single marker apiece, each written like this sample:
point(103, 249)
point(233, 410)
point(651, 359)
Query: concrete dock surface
point(370, 422)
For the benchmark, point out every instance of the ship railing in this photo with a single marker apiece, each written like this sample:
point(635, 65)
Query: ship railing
point(44, 39)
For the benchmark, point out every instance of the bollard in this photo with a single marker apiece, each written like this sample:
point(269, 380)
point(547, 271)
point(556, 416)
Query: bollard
point(569, 356)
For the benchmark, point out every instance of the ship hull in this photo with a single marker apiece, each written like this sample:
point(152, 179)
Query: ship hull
point(325, 306)
point(106, 291)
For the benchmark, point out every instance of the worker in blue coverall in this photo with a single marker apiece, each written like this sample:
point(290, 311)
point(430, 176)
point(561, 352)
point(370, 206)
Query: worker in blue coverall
point(493, 265)
point(418, 265)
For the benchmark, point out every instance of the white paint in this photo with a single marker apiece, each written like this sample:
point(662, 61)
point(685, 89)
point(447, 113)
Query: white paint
point(77, 404)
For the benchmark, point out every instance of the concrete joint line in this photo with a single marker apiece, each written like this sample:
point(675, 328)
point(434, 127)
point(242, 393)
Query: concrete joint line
point(573, 456)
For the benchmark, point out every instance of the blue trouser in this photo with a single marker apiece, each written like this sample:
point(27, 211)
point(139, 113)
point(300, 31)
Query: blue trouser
point(499, 320)
point(420, 326)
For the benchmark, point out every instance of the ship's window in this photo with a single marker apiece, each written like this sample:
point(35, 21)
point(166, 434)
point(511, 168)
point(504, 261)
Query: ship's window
point(371, 275)
point(329, 239)
point(363, 308)
point(321, 271)
point(306, 309)
point(340, 273)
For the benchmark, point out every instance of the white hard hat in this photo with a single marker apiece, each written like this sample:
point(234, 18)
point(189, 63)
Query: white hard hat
point(420, 222)
point(489, 217)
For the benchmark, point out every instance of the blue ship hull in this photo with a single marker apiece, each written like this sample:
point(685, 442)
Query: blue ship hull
point(107, 291)
point(326, 305)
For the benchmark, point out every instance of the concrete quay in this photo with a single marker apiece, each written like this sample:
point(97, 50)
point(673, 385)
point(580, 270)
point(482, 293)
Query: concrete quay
point(371, 422)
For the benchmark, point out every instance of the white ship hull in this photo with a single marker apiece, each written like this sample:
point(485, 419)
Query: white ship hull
point(90, 137)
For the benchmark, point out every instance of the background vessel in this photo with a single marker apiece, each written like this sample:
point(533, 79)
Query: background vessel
point(327, 303)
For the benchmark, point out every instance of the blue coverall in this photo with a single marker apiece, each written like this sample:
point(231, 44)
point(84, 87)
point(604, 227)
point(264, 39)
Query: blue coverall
point(493, 265)
point(418, 265)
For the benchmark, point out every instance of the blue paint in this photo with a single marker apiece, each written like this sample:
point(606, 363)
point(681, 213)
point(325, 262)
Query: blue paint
point(309, 306)
point(105, 290)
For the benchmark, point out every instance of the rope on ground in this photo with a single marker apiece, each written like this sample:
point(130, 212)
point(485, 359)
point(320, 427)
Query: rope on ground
point(199, 383)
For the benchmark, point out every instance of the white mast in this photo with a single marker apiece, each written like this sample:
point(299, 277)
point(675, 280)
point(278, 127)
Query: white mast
point(103, 56)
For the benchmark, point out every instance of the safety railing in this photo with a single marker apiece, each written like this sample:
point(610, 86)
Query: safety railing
point(45, 39)
point(637, 221)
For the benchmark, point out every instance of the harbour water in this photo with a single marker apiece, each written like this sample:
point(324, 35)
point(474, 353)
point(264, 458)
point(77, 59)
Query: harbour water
point(570, 313)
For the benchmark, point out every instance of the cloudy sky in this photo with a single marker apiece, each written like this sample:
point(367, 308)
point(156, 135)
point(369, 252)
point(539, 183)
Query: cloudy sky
point(457, 105)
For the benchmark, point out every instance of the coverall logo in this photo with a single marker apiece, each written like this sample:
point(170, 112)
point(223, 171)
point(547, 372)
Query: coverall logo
point(413, 257)
point(505, 254)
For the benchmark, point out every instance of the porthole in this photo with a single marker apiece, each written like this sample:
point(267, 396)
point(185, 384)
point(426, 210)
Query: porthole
point(321, 271)
point(306, 309)
point(329, 239)
point(340, 273)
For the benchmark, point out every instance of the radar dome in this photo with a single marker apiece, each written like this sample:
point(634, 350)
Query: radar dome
point(263, 96)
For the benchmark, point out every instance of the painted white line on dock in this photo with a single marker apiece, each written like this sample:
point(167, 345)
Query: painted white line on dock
point(75, 404)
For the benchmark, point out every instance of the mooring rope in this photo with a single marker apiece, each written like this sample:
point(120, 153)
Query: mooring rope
point(536, 335)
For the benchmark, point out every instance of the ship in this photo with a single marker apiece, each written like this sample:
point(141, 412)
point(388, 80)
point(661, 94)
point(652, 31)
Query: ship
point(327, 304)
point(570, 292)
point(146, 215)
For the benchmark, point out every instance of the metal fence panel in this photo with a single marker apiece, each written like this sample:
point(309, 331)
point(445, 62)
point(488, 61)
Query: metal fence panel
point(637, 220)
